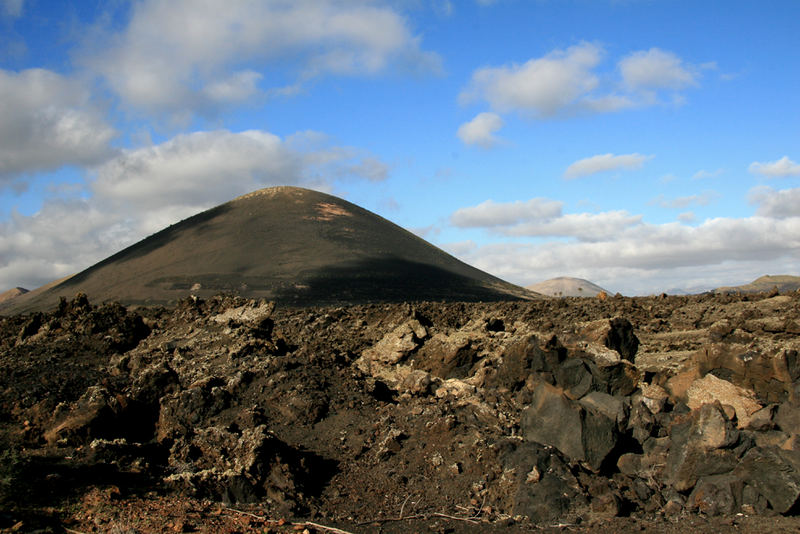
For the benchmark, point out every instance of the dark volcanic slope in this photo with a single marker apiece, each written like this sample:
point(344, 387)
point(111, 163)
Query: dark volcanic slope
point(291, 245)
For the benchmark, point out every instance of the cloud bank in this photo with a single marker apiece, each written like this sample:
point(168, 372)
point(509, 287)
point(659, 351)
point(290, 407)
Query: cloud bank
point(568, 82)
point(48, 121)
point(624, 253)
point(140, 191)
point(182, 57)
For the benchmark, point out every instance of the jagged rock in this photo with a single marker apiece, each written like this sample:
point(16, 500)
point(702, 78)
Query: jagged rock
point(620, 378)
point(382, 359)
point(580, 434)
point(523, 356)
point(649, 465)
point(774, 474)
point(552, 419)
point(710, 389)
point(256, 315)
point(717, 495)
point(246, 467)
point(769, 374)
point(417, 382)
point(447, 355)
point(575, 377)
point(616, 334)
point(787, 417)
point(153, 383)
point(654, 397)
point(698, 447)
point(763, 419)
point(182, 411)
point(547, 491)
point(612, 407)
point(30, 328)
point(92, 416)
point(641, 422)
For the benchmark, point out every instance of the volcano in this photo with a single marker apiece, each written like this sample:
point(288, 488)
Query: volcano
point(291, 245)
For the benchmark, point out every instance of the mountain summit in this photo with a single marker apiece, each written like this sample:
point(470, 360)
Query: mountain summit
point(566, 286)
point(292, 245)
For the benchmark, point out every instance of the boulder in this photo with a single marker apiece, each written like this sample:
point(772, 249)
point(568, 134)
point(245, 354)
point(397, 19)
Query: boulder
point(525, 355)
point(547, 490)
point(616, 334)
point(710, 389)
point(717, 495)
point(699, 443)
point(575, 377)
point(447, 355)
point(386, 359)
point(183, 410)
point(773, 473)
point(787, 417)
point(612, 407)
point(94, 415)
point(654, 397)
point(580, 434)
point(254, 315)
point(237, 467)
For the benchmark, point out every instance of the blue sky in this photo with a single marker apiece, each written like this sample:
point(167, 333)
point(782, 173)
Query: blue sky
point(644, 145)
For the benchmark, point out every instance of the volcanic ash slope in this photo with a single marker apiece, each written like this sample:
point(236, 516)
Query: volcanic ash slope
point(287, 244)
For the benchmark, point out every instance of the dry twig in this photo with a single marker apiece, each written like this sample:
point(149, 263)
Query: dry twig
point(311, 524)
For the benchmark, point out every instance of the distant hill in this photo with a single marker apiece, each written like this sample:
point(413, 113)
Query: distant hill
point(12, 294)
point(784, 283)
point(566, 286)
point(291, 245)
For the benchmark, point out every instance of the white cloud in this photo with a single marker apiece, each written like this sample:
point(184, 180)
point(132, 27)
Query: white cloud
point(568, 82)
point(582, 226)
point(541, 87)
point(656, 69)
point(623, 253)
point(776, 169)
point(648, 258)
point(182, 56)
point(480, 130)
point(604, 163)
point(47, 121)
point(143, 190)
point(777, 204)
point(491, 214)
point(541, 217)
point(702, 174)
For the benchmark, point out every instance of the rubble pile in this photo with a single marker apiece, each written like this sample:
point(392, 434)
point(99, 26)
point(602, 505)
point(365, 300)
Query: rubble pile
point(556, 411)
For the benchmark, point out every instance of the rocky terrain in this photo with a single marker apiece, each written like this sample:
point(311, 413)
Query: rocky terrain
point(232, 415)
